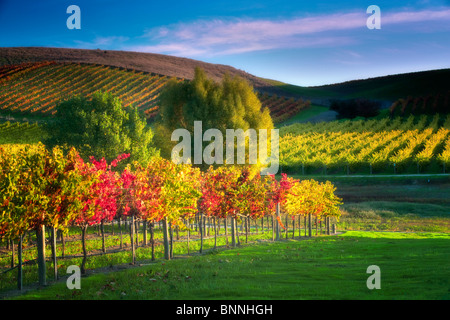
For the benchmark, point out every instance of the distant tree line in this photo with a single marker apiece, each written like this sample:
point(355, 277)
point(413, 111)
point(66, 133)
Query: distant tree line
point(428, 104)
point(353, 108)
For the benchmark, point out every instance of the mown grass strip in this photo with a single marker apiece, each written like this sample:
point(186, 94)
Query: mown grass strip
point(413, 266)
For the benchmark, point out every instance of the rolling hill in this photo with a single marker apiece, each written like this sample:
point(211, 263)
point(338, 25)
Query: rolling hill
point(34, 79)
point(387, 88)
point(145, 62)
point(34, 89)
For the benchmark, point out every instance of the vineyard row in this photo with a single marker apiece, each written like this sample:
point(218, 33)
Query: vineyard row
point(41, 188)
point(419, 141)
point(38, 88)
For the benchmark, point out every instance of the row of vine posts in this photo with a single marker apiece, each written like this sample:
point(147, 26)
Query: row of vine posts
point(202, 224)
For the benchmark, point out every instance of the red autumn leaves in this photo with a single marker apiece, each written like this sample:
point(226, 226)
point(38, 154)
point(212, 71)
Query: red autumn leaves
point(46, 187)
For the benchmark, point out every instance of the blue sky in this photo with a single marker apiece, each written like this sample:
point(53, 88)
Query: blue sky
point(300, 42)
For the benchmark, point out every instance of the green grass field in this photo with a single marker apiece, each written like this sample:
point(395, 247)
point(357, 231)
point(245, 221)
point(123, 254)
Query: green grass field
point(377, 211)
point(400, 223)
point(412, 266)
point(392, 221)
point(390, 87)
point(305, 115)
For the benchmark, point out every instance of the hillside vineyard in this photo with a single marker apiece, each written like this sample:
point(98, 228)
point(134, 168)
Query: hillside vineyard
point(385, 145)
point(38, 88)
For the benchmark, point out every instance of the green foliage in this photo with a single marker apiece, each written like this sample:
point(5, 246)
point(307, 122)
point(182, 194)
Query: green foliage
point(351, 146)
point(37, 187)
point(412, 267)
point(231, 104)
point(21, 132)
point(356, 108)
point(101, 127)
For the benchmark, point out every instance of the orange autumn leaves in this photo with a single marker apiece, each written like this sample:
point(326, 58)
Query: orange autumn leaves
point(41, 187)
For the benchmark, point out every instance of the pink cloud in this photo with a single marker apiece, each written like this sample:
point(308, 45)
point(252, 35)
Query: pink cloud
point(224, 37)
point(416, 16)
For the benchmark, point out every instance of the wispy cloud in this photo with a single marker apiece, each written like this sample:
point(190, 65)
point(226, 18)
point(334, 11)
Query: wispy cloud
point(102, 42)
point(417, 16)
point(226, 37)
point(220, 37)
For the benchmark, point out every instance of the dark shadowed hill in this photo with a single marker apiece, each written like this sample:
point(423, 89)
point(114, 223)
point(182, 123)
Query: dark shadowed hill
point(386, 88)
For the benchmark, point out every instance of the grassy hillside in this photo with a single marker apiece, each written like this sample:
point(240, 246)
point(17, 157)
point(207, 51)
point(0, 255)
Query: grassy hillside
point(390, 87)
point(146, 62)
point(33, 90)
point(31, 86)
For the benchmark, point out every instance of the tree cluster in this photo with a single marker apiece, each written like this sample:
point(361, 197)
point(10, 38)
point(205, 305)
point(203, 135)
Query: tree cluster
point(231, 104)
point(101, 127)
point(63, 190)
point(349, 109)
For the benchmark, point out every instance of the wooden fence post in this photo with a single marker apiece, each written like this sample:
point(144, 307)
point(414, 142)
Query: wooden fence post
point(145, 233)
point(278, 224)
point(304, 220)
point(200, 225)
point(152, 239)
point(12, 253)
point(237, 232)
point(286, 231)
point(166, 238)
point(309, 225)
point(63, 244)
point(333, 226)
point(215, 232)
point(40, 236)
point(316, 226)
point(188, 234)
point(273, 228)
point(293, 227)
point(102, 229)
point(233, 232)
point(83, 245)
point(171, 240)
point(120, 231)
point(19, 270)
point(133, 247)
point(225, 222)
point(55, 264)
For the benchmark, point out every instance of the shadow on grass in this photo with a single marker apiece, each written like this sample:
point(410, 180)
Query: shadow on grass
point(413, 266)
